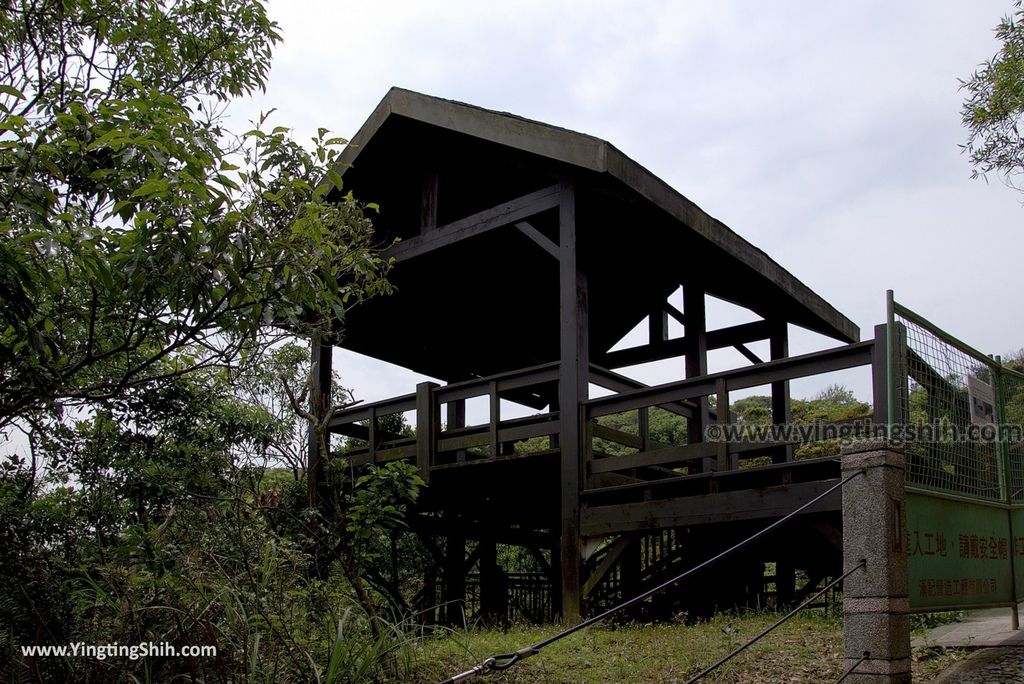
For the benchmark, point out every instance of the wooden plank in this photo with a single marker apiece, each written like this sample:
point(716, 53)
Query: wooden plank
point(358, 431)
point(527, 229)
point(501, 215)
point(795, 466)
point(806, 365)
point(477, 387)
point(385, 454)
point(483, 461)
point(656, 457)
point(401, 404)
point(510, 431)
point(617, 436)
point(755, 504)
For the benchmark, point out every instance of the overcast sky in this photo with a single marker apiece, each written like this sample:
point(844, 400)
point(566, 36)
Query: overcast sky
point(824, 133)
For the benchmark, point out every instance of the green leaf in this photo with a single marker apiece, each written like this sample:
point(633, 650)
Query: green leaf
point(151, 187)
point(335, 178)
point(12, 91)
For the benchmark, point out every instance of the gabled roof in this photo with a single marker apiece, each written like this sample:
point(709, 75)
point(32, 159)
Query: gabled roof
point(641, 237)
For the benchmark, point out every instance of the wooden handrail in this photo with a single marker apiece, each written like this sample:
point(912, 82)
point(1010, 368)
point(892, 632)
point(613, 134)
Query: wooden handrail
point(815, 363)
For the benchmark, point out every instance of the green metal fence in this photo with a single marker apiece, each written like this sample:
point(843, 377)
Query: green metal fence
point(950, 405)
point(953, 398)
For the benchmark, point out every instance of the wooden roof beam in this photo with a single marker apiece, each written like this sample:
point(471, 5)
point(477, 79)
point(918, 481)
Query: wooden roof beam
point(496, 217)
point(668, 349)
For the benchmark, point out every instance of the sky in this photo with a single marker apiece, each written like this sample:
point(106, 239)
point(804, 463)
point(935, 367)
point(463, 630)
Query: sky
point(825, 134)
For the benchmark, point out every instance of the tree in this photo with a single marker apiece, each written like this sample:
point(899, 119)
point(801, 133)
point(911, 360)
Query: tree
point(994, 106)
point(140, 238)
point(151, 265)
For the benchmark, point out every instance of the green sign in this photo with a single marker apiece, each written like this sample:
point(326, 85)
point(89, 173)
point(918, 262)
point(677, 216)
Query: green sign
point(960, 553)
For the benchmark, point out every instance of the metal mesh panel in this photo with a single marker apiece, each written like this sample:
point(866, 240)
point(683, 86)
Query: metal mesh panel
point(1013, 415)
point(933, 384)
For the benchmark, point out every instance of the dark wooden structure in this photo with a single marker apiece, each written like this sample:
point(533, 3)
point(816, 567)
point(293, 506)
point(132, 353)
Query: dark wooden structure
point(526, 253)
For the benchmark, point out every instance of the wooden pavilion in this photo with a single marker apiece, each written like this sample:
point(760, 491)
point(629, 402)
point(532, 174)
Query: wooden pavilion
point(526, 252)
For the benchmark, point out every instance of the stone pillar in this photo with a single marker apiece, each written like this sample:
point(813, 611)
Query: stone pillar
point(876, 610)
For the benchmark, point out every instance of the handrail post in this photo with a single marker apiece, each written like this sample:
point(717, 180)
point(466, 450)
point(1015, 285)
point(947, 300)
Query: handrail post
point(722, 419)
point(426, 428)
point(495, 418)
point(643, 427)
point(371, 439)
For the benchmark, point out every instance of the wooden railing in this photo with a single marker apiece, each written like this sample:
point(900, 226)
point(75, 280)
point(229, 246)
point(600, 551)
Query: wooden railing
point(438, 445)
point(682, 397)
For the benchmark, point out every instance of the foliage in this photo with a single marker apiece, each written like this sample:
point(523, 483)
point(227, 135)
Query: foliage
point(140, 238)
point(158, 525)
point(153, 268)
point(994, 105)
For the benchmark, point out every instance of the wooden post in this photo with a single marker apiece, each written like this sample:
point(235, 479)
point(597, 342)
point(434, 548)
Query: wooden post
point(572, 391)
point(454, 572)
point(490, 577)
point(722, 418)
point(779, 349)
point(880, 375)
point(696, 356)
point(428, 204)
point(319, 401)
point(426, 428)
point(456, 419)
point(495, 419)
point(785, 581)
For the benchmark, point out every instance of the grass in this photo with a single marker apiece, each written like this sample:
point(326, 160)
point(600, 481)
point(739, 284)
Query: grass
point(809, 648)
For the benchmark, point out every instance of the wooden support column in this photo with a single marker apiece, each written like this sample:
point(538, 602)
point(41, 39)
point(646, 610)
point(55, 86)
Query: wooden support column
point(428, 204)
point(319, 402)
point(454, 590)
point(779, 349)
point(491, 604)
point(785, 581)
point(696, 356)
point(572, 391)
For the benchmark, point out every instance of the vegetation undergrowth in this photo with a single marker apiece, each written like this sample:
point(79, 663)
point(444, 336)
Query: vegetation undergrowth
point(808, 648)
